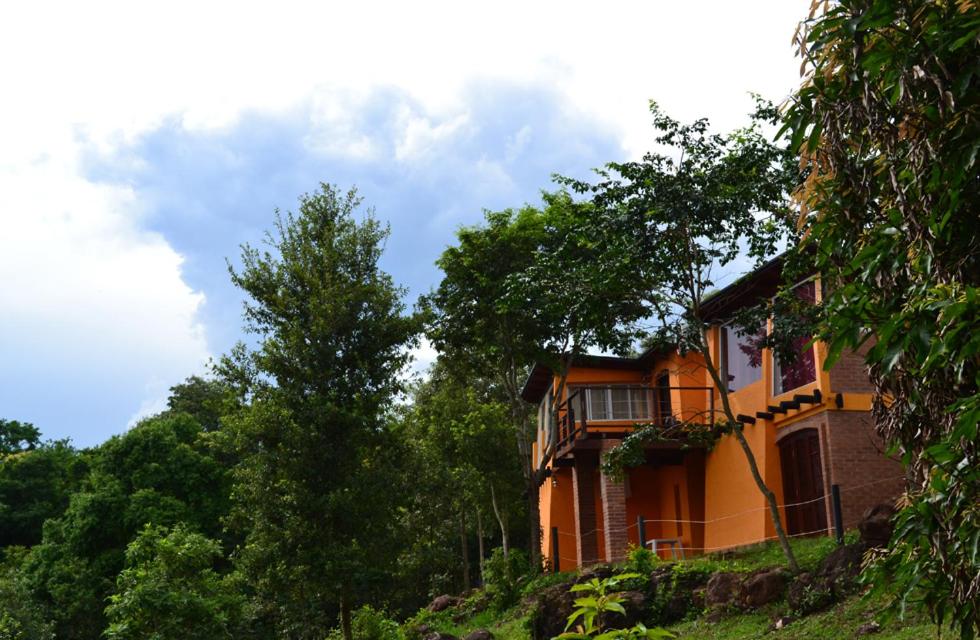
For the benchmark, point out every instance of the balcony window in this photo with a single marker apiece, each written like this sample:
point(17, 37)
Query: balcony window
point(617, 403)
point(803, 370)
point(741, 357)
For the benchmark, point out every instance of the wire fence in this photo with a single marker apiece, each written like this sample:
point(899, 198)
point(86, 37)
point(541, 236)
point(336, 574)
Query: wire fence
point(628, 527)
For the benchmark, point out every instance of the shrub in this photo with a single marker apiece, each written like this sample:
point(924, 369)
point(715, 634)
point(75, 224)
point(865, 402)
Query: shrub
point(503, 576)
point(368, 623)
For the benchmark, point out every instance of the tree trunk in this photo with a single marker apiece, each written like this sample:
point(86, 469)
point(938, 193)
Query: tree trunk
point(534, 518)
point(479, 537)
point(502, 521)
point(465, 550)
point(770, 497)
point(345, 616)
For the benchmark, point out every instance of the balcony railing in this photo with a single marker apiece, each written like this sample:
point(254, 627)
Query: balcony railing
point(603, 408)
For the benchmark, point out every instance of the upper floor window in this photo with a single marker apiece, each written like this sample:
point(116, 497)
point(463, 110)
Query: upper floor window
point(741, 357)
point(617, 403)
point(803, 369)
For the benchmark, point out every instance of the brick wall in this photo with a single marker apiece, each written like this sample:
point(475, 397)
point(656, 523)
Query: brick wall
point(858, 464)
point(849, 374)
point(613, 513)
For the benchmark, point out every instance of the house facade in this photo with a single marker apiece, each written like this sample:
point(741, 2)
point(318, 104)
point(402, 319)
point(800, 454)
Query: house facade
point(809, 430)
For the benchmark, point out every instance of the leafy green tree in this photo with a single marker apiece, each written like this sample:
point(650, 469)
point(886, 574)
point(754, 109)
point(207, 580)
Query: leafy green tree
point(171, 590)
point(21, 618)
point(17, 436)
point(532, 285)
point(35, 485)
point(160, 472)
point(315, 488)
point(682, 214)
point(206, 399)
point(887, 125)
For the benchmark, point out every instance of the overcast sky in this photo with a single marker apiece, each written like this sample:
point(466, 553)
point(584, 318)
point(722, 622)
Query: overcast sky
point(139, 147)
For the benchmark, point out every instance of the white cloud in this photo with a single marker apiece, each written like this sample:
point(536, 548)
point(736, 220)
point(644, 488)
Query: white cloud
point(78, 273)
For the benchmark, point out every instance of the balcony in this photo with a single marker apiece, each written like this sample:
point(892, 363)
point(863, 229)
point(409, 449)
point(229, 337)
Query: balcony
point(597, 411)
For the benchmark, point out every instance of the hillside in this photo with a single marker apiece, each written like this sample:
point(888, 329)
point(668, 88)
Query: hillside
point(731, 596)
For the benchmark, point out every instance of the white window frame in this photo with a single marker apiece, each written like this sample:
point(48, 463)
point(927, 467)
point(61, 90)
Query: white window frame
point(608, 393)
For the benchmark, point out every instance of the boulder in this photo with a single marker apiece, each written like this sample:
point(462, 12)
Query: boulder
point(763, 587)
point(436, 635)
point(550, 610)
point(876, 525)
point(635, 603)
point(443, 602)
point(809, 593)
point(479, 634)
point(868, 628)
point(841, 567)
point(724, 589)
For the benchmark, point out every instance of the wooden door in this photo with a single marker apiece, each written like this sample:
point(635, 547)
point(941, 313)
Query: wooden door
point(802, 470)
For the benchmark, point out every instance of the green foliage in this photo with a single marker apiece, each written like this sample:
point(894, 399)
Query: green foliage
point(600, 599)
point(368, 623)
point(159, 472)
point(17, 436)
point(317, 481)
point(207, 400)
point(21, 618)
point(641, 560)
point(631, 452)
point(504, 576)
point(886, 125)
point(170, 590)
point(35, 485)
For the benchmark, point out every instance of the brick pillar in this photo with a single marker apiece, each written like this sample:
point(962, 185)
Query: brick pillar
point(613, 512)
point(583, 488)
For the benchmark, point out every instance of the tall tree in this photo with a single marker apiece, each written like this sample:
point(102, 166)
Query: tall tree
point(686, 212)
point(533, 285)
point(18, 436)
point(887, 125)
point(313, 489)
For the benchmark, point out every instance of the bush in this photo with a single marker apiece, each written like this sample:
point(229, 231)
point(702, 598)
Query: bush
point(503, 577)
point(368, 623)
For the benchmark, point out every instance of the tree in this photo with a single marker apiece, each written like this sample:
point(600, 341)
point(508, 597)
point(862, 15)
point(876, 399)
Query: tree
point(683, 215)
point(207, 400)
point(532, 285)
point(170, 590)
point(35, 485)
point(887, 126)
point(160, 472)
point(18, 436)
point(314, 489)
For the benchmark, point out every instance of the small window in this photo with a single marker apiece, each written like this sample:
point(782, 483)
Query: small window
point(617, 403)
point(741, 357)
point(599, 404)
point(803, 370)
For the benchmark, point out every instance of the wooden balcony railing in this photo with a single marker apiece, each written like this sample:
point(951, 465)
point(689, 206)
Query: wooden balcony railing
point(594, 407)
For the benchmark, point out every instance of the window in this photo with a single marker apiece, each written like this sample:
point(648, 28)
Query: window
point(741, 357)
point(803, 369)
point(617, 403)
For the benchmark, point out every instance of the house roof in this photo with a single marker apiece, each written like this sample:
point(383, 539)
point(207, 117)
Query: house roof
point(541, 376)
point(748, 290)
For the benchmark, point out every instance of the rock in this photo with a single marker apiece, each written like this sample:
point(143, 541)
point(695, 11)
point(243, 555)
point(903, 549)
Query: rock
point(635, 603)
point(868, 628)
point(763, 587)
point(876, 525)
point(781, 622)
point(443, 602)
point(436, 635)
point(808, 594)
point(841, 567)
point(550, 610)
point(724, 588)
point(479, 634)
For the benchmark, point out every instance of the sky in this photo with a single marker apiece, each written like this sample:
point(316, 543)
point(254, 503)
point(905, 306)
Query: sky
point(141, 144)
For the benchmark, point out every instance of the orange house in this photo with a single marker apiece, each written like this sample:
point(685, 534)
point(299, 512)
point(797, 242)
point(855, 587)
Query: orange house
point(810, 431)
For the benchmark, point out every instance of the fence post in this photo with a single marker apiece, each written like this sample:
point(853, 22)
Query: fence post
point(641, 531)
point(555, 560)
point(838, 517)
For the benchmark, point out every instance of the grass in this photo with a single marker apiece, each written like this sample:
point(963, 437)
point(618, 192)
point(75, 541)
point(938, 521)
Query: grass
point(841, 621)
